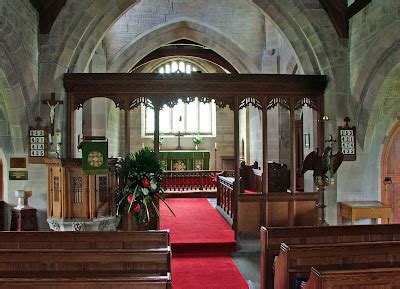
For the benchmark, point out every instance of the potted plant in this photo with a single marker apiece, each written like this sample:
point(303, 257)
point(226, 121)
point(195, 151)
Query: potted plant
point(197, 140)
point(139, 190)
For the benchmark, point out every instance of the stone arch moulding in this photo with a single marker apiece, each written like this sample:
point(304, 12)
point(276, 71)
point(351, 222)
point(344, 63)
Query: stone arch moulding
point(178, 29)
point(85, 33)
point(368, 85)
point(297, 32)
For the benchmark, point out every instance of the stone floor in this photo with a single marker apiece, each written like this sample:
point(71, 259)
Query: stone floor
point(246, 257)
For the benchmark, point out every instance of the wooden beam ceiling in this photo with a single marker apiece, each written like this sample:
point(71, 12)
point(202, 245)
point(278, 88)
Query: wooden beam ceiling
point(48, 12)
point(340, 14)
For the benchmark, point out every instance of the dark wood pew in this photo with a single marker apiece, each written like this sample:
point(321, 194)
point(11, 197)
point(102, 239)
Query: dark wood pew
point(85, 240)
point(146, 268)
point(297, 260)
point(146, 261)
point(374, 278)
point(74, 281)
point(271, 238)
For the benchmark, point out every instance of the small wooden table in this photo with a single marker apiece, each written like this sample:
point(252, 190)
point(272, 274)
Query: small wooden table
point(364, 210)
point(23, 220)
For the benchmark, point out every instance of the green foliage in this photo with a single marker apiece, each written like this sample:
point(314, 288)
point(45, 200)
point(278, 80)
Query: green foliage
point(139, 184)
point(197, 140)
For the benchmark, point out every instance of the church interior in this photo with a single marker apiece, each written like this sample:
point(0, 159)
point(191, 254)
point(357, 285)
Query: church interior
point(200, 144)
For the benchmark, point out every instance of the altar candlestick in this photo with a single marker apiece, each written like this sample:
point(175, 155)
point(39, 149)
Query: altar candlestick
point(58, 136)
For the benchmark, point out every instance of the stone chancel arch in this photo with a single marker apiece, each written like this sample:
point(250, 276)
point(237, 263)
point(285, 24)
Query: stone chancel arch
point(183, 29)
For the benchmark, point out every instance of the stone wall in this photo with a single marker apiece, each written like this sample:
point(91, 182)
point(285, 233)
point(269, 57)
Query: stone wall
point(374, 73)
point(236, 19)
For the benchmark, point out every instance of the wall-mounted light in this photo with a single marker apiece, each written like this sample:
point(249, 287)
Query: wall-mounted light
point(325, 118)
point(306, 140)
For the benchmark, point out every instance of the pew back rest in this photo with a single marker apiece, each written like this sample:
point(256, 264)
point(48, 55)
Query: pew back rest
point(85, 240)
point(356, 278)
point(278, 177)
point(298, 259)
point(147, 261)
point(271, 238)
point(340, 254)
point(85, 281)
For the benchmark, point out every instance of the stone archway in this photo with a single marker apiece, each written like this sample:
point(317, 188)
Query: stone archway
point(18, 87)
point(368, 85)
point(175, 30)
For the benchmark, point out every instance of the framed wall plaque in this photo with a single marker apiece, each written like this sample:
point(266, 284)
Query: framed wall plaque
point(38, 143)
point(347, 141)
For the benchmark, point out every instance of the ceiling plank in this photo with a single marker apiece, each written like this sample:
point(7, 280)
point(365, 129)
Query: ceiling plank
point(48, 12)
point(337, 12)
point(356, 7)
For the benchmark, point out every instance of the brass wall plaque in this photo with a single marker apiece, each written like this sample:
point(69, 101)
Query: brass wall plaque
point(18, 163)
point(18, 175)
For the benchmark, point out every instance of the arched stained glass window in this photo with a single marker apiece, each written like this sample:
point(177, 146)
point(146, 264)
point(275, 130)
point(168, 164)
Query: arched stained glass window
point(187, 118)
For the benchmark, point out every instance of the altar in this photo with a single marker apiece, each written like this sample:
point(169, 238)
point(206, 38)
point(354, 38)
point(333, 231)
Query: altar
point(185, 160)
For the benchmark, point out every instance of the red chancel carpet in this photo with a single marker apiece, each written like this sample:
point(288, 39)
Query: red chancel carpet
point(201, 241)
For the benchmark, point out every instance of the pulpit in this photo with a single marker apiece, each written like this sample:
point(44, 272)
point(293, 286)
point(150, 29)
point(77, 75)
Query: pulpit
point(78, 202)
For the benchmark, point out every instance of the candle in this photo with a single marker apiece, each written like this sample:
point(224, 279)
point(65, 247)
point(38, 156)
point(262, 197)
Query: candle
point(215, 146)
point(58, 136)
point(142, 145)
point(50, 140)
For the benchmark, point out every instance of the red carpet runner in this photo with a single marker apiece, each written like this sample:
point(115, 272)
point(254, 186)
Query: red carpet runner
point(201, 242)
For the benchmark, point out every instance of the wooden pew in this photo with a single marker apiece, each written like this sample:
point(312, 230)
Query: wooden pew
point(103, 281)
point(85, 240)
point(271, 238)
point(51, 266)
point(297, 260)
point(365, 278)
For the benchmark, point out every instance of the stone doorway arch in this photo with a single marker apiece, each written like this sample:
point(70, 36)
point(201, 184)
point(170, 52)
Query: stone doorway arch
point(390, 173)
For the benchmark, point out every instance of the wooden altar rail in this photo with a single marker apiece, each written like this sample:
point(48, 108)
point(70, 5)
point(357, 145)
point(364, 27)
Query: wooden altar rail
point(225, 194)
point(271, 239)
point(190, 180)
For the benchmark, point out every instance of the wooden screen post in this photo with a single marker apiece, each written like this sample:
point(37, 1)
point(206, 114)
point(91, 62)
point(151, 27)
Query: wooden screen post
point(156, 126)
point(127, 127)
point(237, 163)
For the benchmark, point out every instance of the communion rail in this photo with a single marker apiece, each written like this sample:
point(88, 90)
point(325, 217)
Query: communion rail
point(225, 192)
point(180, 181)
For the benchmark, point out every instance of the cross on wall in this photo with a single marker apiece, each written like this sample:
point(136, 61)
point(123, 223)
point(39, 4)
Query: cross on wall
point(52, 103)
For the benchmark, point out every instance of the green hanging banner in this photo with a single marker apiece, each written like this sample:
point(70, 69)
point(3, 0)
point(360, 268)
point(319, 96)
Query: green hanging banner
point(94, 158)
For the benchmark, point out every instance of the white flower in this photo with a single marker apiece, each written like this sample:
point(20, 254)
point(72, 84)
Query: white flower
point(145, 191)
point(153, 186)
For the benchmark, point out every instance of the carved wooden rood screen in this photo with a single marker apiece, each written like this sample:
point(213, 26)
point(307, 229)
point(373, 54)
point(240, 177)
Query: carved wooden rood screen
point(236, 91)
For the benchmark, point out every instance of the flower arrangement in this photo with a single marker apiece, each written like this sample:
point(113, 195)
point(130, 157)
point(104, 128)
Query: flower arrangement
point(197, 140)
point(139, 188)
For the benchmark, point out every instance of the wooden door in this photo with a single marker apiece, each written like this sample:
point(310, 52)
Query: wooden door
point(1, 180)
point(390, 178)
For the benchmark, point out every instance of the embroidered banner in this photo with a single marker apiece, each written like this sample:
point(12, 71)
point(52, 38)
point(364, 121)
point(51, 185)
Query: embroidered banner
point(94, 158)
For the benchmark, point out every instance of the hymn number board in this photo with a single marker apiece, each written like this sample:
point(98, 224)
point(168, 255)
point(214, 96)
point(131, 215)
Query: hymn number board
point(37, 144)
point(347, 141)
